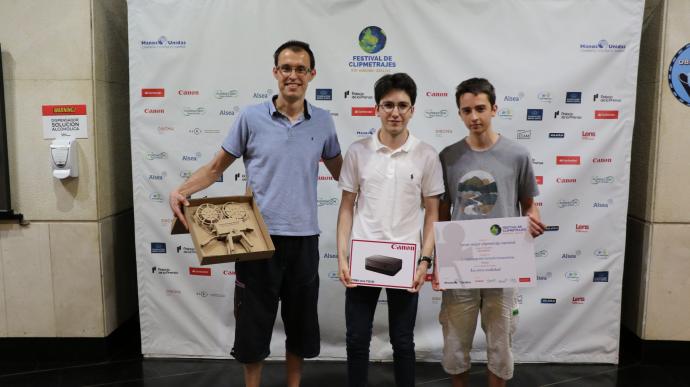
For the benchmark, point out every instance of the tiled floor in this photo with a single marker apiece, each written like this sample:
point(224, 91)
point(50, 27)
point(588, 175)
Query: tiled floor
point(125, 367)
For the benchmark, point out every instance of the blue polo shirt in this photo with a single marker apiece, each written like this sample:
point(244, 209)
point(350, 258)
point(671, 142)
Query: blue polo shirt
point(282, 162)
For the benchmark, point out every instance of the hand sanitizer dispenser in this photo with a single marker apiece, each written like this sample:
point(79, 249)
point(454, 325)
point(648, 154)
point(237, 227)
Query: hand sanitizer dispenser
point(64, 158)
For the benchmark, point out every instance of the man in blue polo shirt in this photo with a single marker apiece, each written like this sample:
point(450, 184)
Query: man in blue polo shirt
point(281, 142)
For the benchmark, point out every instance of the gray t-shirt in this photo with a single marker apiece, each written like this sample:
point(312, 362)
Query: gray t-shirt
point(488, 183)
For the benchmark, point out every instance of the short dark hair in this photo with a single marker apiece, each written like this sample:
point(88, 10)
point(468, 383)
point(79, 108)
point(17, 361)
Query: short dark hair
point(475, 86)
point(295, 46)
point(397, 81)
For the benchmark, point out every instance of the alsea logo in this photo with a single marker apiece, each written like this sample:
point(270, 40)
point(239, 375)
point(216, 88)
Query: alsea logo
point(192, 157)
point(262, 95)
point(229, 112)
point(429, 113)
point(155, 177)
point(606, 204)
point(574, 255)
point(163, 42)
point(324, 94)
point(330, 255)
point(535, 114)
point(514, 98)
point(573, 97)
point(544, 276)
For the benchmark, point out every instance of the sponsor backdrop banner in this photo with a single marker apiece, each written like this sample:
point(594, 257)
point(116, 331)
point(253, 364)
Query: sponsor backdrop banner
point(565, 73)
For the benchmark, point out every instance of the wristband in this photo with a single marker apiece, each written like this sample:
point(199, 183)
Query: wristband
point(426, 259)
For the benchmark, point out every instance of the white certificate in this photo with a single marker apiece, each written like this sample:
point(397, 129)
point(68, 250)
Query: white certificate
point(485, 253)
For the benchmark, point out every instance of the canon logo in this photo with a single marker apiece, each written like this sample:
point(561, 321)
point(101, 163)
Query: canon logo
point(154, 111)
point(562, 180)
point(602, 160)
point(436, 94)
point(395, 246)
point(188, 92)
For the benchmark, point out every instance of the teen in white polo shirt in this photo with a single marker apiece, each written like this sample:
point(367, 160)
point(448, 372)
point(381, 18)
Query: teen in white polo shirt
point(391, 184)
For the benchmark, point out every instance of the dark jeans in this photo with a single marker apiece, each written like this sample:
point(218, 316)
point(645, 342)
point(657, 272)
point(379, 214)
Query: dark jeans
point(360, 305)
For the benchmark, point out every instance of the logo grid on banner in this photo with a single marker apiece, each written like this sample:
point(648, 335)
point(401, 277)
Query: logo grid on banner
point(566, 91)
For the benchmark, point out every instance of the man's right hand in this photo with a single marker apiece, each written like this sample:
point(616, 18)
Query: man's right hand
point(177, 200)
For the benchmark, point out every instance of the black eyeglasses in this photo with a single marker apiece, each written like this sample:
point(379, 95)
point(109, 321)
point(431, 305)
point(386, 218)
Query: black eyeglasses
point(388, 107)
point(299, 70)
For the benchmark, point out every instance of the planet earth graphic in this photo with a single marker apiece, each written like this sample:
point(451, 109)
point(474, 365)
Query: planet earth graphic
point(372, 39)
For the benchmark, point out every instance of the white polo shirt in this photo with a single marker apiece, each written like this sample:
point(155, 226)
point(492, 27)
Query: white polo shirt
point(390, 186)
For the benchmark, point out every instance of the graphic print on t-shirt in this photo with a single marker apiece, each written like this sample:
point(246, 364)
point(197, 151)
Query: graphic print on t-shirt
point(477, 193)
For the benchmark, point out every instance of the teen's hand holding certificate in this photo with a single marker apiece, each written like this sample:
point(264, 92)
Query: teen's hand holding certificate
point(485, 253)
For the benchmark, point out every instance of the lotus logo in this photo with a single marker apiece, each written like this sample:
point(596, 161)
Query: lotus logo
point(220, 94)
point(428, 113)
point(155, 156)
point(602, 179)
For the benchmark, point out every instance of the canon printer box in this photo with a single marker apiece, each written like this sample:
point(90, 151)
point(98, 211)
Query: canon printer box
point(383, 263)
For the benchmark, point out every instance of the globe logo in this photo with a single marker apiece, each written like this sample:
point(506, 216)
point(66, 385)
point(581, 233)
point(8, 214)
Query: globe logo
point(603, 43)
point(495, 229)
point(372, 39)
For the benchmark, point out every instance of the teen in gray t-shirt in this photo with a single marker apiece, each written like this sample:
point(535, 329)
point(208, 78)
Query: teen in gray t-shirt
point(487, 183)
point(485, 176)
